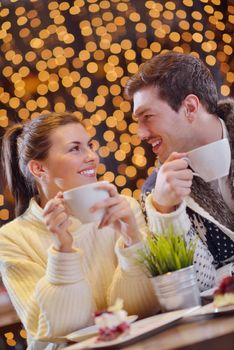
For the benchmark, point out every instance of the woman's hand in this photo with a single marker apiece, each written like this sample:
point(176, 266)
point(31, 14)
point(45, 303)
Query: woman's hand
point(57, 222)
point(119, 213)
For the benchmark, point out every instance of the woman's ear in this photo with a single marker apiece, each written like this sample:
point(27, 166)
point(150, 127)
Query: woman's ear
point(36, 168)
point(191, 105)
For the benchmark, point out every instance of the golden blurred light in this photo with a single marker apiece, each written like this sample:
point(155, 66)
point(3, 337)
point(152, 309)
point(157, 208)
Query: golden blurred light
point(59, 107)
point(125, 147)
point(188, 3)
point(225, 90)
point(132, 67)
point(139, 160)
point(30, 56)
point(134, 17)
point(140, 27)
point(103, 90)
point(120, 180)
point(84, 55)
point(7, 71)
point(35, 22)
point(170, 5)
point(230, 77)
point(99, 101)
point(197, 37)
point(197, 15)
point(85, 82)
point(112, 145)
point(120, 155)
point(122, 125)
point(107, 16)
point(3, 122)
point(174, 36)
point(95, 119)
point(108, 176)
point(130, 55)
point(109, 135)
point(100, 31)
point(137, 194)
point(92, 67)
point(36, 43)
point(126, 192)
point(130, 171)
point(227, 38)
point(140, 183)
point(221, 56)
point(115, 90)
point(181, 14)
point(228, 50)
point(135, 140)
point(104, 151)
point(101, 169)
point(119, 21)
point(220, 25)
point(23, 113)
point(186, 36)
point(168, 15)
point(99, 55)
point(209, 9)
point(91, 46)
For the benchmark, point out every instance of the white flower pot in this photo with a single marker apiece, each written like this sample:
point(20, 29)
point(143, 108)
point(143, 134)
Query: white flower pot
point(177, 289)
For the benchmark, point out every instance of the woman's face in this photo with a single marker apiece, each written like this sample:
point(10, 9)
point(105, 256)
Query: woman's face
point(71, 161)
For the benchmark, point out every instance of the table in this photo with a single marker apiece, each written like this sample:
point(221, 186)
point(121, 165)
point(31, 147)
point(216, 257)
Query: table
point(193, 334)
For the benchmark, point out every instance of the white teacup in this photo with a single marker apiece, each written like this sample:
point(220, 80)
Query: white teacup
point(82, 198)
point(211, 161)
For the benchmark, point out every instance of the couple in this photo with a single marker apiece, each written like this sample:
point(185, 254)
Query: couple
point(58, 271)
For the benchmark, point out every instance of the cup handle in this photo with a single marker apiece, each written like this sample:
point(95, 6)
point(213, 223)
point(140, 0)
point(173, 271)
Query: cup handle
point(189, 163)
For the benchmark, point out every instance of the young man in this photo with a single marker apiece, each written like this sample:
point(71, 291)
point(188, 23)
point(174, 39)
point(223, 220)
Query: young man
point(177, 109)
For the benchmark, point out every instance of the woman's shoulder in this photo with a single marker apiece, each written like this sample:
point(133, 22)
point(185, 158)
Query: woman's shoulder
point(11, 227)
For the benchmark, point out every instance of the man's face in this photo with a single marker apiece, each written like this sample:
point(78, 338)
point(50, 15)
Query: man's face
point(163, 128)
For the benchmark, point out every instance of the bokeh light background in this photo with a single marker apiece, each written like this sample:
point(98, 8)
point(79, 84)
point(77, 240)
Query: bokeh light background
point(77, 56)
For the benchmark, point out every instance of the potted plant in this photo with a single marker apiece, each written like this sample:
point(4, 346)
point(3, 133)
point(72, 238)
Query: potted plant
point(168, 260)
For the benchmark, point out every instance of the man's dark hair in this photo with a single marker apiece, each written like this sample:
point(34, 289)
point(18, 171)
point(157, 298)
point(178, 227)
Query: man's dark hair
point(176, 75)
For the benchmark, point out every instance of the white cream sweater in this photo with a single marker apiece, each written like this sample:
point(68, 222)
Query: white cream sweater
point(57, 293)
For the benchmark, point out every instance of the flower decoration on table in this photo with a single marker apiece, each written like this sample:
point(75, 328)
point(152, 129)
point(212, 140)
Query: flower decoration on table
point(166, 253)
point(168, 260)
point(112, 322)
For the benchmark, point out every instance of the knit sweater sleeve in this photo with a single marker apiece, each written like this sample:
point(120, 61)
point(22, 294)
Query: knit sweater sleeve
point(130, 282)
point(159, 223)
point(50, 300)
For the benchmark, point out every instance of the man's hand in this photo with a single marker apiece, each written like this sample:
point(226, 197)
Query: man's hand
point(173, 183)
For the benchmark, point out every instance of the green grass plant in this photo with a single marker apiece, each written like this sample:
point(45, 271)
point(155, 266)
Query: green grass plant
point(166, 253)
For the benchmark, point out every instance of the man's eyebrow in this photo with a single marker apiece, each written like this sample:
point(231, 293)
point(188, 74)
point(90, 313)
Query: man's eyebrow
point(139, 111)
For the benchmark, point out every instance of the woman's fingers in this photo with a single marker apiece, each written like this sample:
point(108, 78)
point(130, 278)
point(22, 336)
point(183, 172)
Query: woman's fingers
point(110, 188)
point(109, 202)
point(120, 210)
point(57, 222)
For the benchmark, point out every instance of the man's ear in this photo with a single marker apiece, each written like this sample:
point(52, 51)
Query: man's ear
point(191, 105)
point(36, 168)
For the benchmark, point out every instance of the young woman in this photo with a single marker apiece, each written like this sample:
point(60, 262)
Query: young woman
point(56, 290)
